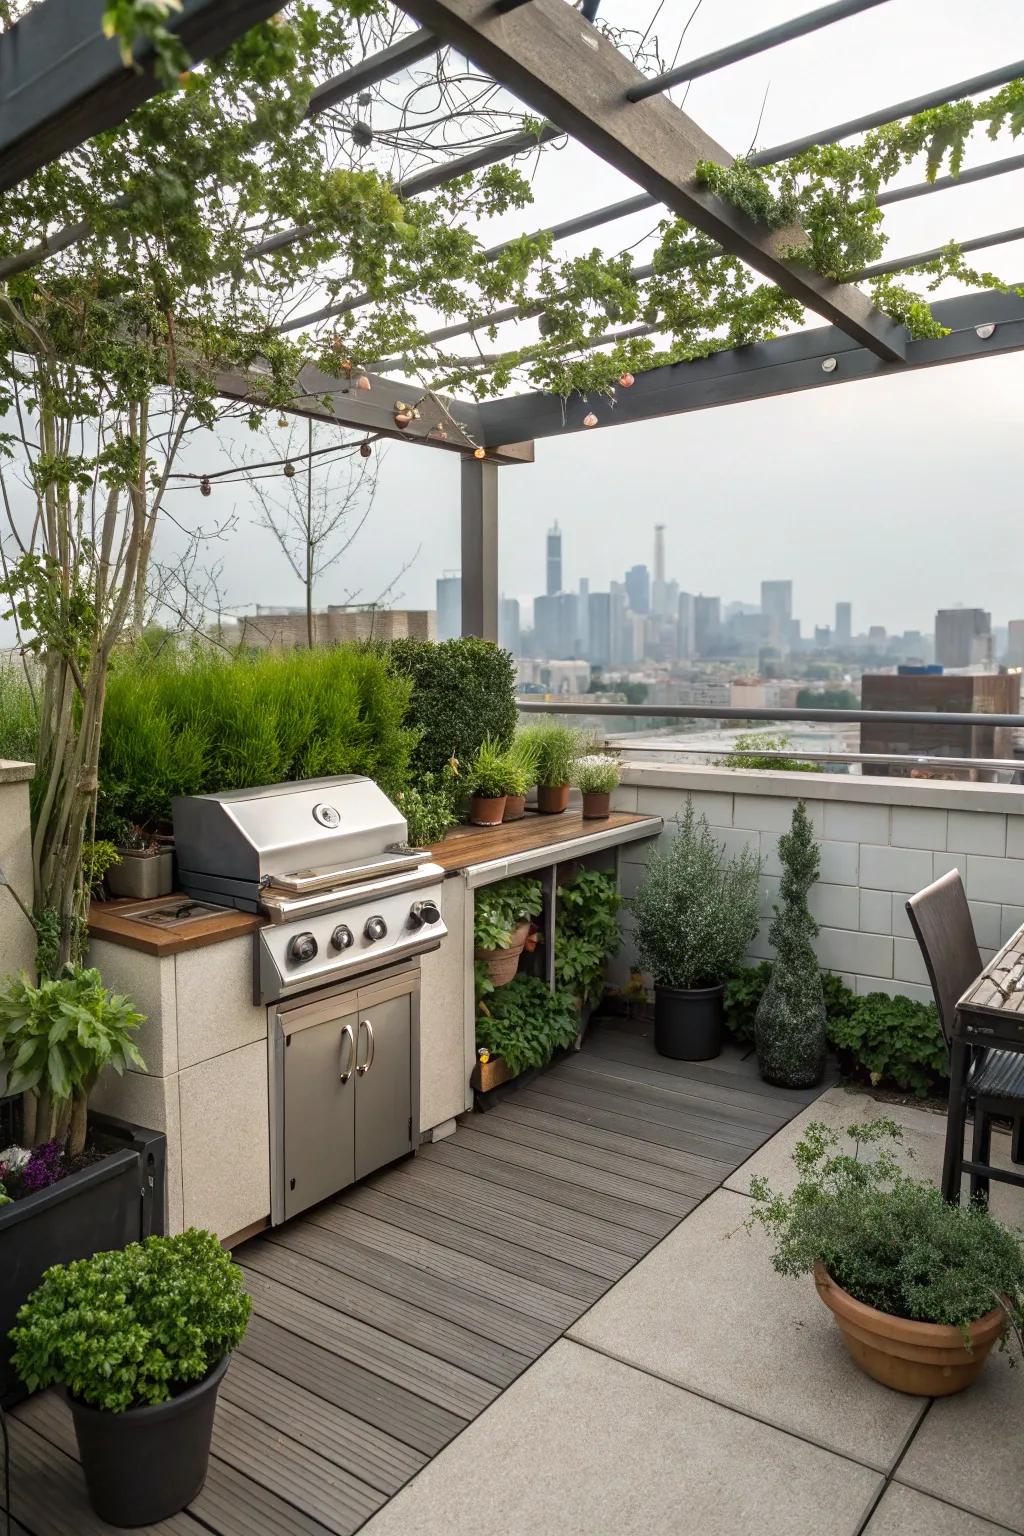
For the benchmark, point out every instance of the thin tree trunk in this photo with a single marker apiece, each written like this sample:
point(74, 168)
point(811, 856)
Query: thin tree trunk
point(309, 533)
point(76, 1132)
point(29, 1117)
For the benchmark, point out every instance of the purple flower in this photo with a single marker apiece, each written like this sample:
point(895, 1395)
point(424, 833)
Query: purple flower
point(44, 1167)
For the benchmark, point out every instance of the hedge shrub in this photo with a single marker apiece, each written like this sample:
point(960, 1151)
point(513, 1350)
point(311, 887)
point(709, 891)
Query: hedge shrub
point(198, 722)
point(462, 691)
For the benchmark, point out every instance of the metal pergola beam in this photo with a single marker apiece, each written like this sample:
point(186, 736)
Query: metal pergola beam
point(579, 80)
point(373, 69)
point(784, 366)
point(62, 81)
point(979, 243)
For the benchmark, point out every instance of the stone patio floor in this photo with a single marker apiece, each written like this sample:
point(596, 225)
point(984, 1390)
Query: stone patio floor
point(704, 1393)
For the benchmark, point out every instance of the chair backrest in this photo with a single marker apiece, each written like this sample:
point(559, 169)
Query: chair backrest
point(941, 920)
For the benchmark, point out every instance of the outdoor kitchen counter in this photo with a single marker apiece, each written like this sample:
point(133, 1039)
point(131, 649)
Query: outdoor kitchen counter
point(109, 920)
point(536, 842)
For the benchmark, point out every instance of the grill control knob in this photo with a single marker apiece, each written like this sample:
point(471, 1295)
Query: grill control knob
point(302, 948)
point(342, 937)
point(375, 929)
point(424, 912)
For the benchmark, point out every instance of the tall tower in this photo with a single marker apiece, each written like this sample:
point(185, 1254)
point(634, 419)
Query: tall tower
point(659, 552)
point(554, 560)
point(844, 623)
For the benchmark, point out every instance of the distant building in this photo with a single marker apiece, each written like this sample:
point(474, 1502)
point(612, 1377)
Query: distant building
point(963, 637)
point(1015, 643)
point(822, 637)
point(554, 560)
point(638, 589)
point(844, 623)
point(777, 607)
point(556, 626)
point(449, 607)
point(966, 693)
point(707, 623)
point(337, 626)
point(607, 613)
point(510, 634)
point(686, 643)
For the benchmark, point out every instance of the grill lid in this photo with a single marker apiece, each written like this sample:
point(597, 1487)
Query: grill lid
point(289, 833)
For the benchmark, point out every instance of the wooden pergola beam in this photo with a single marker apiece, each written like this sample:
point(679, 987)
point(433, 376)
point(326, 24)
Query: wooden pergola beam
point(561, 66)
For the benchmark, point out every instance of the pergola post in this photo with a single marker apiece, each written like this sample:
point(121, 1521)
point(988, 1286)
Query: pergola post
point(480, 548)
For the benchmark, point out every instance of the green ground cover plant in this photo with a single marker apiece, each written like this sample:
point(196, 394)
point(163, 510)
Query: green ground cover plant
point(586, 932)
point(525, 1023)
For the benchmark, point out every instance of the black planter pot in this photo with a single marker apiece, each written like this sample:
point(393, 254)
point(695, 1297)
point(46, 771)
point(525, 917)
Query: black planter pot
point(145, 1464)
point(115, 1201)
point(688, 1023)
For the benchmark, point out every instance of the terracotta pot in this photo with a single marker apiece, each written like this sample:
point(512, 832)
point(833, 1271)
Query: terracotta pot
point(515, 808)
point(502, 964)
point(924, 1359)
point(597, 805)
point(552, 799)
point(487, 810)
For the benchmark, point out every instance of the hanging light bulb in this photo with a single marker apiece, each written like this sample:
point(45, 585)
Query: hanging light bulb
point(403, 416)
point(282, 420)
point(479, 453)
point(626, 380)
point(289, 470)
point(365, 450)
point(205, 488)
point(590, 420)
point(363, 382)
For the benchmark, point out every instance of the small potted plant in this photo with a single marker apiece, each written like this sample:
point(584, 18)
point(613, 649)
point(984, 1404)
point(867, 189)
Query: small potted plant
point(144, 867)
point(696, 913)
point(141, 1339)
point(789, 1026)
point(557, 748)
point(921, 1289)
point(501, 926)
point(521, 775)
point(487, 778)
point(595, 776)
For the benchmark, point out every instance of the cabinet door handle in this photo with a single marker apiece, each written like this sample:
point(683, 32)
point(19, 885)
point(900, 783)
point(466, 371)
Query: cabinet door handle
point(368, 1063)
point(346, 1072)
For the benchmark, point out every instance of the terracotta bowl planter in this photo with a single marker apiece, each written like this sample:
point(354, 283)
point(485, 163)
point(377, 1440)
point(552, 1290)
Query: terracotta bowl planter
point(924, 1359)
point(515, 808)
point(552, 799)
point(597, 805)
point(502, 964)
point(487, 810)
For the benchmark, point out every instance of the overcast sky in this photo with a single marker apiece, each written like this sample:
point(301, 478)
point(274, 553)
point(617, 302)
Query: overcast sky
point(901, 495)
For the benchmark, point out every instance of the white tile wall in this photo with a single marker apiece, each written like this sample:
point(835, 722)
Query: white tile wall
point(874, 851)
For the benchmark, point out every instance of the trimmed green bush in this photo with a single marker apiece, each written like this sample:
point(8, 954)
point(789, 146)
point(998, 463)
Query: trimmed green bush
point(461, 692)
point(790, 1025)
point(199, 722)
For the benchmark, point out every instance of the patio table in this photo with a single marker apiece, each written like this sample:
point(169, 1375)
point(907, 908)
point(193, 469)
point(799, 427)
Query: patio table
point(990, 1015)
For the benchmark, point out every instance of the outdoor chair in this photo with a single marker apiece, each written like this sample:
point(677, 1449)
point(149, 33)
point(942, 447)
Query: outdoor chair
point(994, 1085)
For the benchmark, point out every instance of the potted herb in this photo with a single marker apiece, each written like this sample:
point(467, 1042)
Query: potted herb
point(921, 1289)
point(144, 867)
point(429, 806)
point(521, 1026)
point(487, 778)
point(789, 1028)
point(141, 1339)
point(696, 913)
point(586, 933)
point(596, 775)
point(521, 774)
point(557, 748)
point(501, 926)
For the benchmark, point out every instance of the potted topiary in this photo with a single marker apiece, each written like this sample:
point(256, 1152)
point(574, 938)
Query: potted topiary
point(557, 748)
point(695, 913)
point(486, 778)
point(141, 1339)
point(789, 1029)
point(501, 926)
point(521, 774)
point(595, 776)
point(921, 1289)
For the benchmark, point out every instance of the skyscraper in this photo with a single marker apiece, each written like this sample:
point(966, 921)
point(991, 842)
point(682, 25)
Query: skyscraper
point(707, 623)
point(638, 589)
point(607, 620)
point(777, 607)
point(686, 636)
point(509, 628)
point(449, 607)
point(659, 551)
point(844, 623)
point(554, 561)
point(1015, 643)
point(963, 637)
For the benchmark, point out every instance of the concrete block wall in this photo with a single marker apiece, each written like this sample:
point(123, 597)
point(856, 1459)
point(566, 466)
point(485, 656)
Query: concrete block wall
point(880, 839)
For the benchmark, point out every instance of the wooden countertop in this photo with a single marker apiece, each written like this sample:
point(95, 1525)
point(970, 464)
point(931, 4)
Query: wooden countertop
point(466, 847)
point(108, 920)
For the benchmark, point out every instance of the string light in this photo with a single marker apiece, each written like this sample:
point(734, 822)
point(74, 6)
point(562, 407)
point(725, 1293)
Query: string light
point(479, 453)
point(363, 382)
point(282, 420)
point(289, 470)
point(205, 488)
point(365, 449)
point(590, 420)
point(626, 380)
point(403, 417)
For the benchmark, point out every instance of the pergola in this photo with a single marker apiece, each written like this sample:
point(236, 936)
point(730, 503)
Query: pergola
point(563, 68)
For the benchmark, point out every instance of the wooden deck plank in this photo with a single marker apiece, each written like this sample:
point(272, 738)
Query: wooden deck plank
point(736, 1067)
point(464, 1151)
point(731, 1140)
point(717, 1155)
point(553, 1117)
point(652, 1089)
point(479, 1355)
point(638, 1067)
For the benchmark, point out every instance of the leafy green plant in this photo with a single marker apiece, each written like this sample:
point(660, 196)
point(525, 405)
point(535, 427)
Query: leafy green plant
point(430, 806)
point(487, 774)
point(499, 908)
point(790, 1022)
point(19, 719)
point(893, 1041)
point(586, 932)
point(521, 764)
point(597, 774)
point(749, 752)
point(124, 1329)
point(743, 992)
point(55, 1040)
point(696, 911)
point(893, 1243)
point(556, 748)
point(460, 693)
point(97, 858)
point(525, 1023)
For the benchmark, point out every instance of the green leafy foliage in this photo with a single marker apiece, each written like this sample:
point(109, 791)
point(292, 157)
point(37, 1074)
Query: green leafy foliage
point(749, 752)
point(525, 1023)
point(743, 992)
point(597, 774)
point(499, 908)
point(893, 1041)
point(696, 911)
point(461, 692)
point(586, 932)
point(827, 698)
point(56, 1038)
point(521, 764)
point(556, 748)
point(19, 721)
point(97, 858)
point(430, 806)
point(790, 1022)
point(197, 722)
point(125, 1329)
point(893, 1243)
point(136, 21)
point(487, 773)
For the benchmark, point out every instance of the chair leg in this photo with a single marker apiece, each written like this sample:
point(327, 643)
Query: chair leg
point(981, 1152)
point(1017, 1140)
point(955, 1122)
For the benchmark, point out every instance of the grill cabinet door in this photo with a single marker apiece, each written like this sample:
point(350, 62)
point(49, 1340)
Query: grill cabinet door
point(383, 1088)
point(319, 1111)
